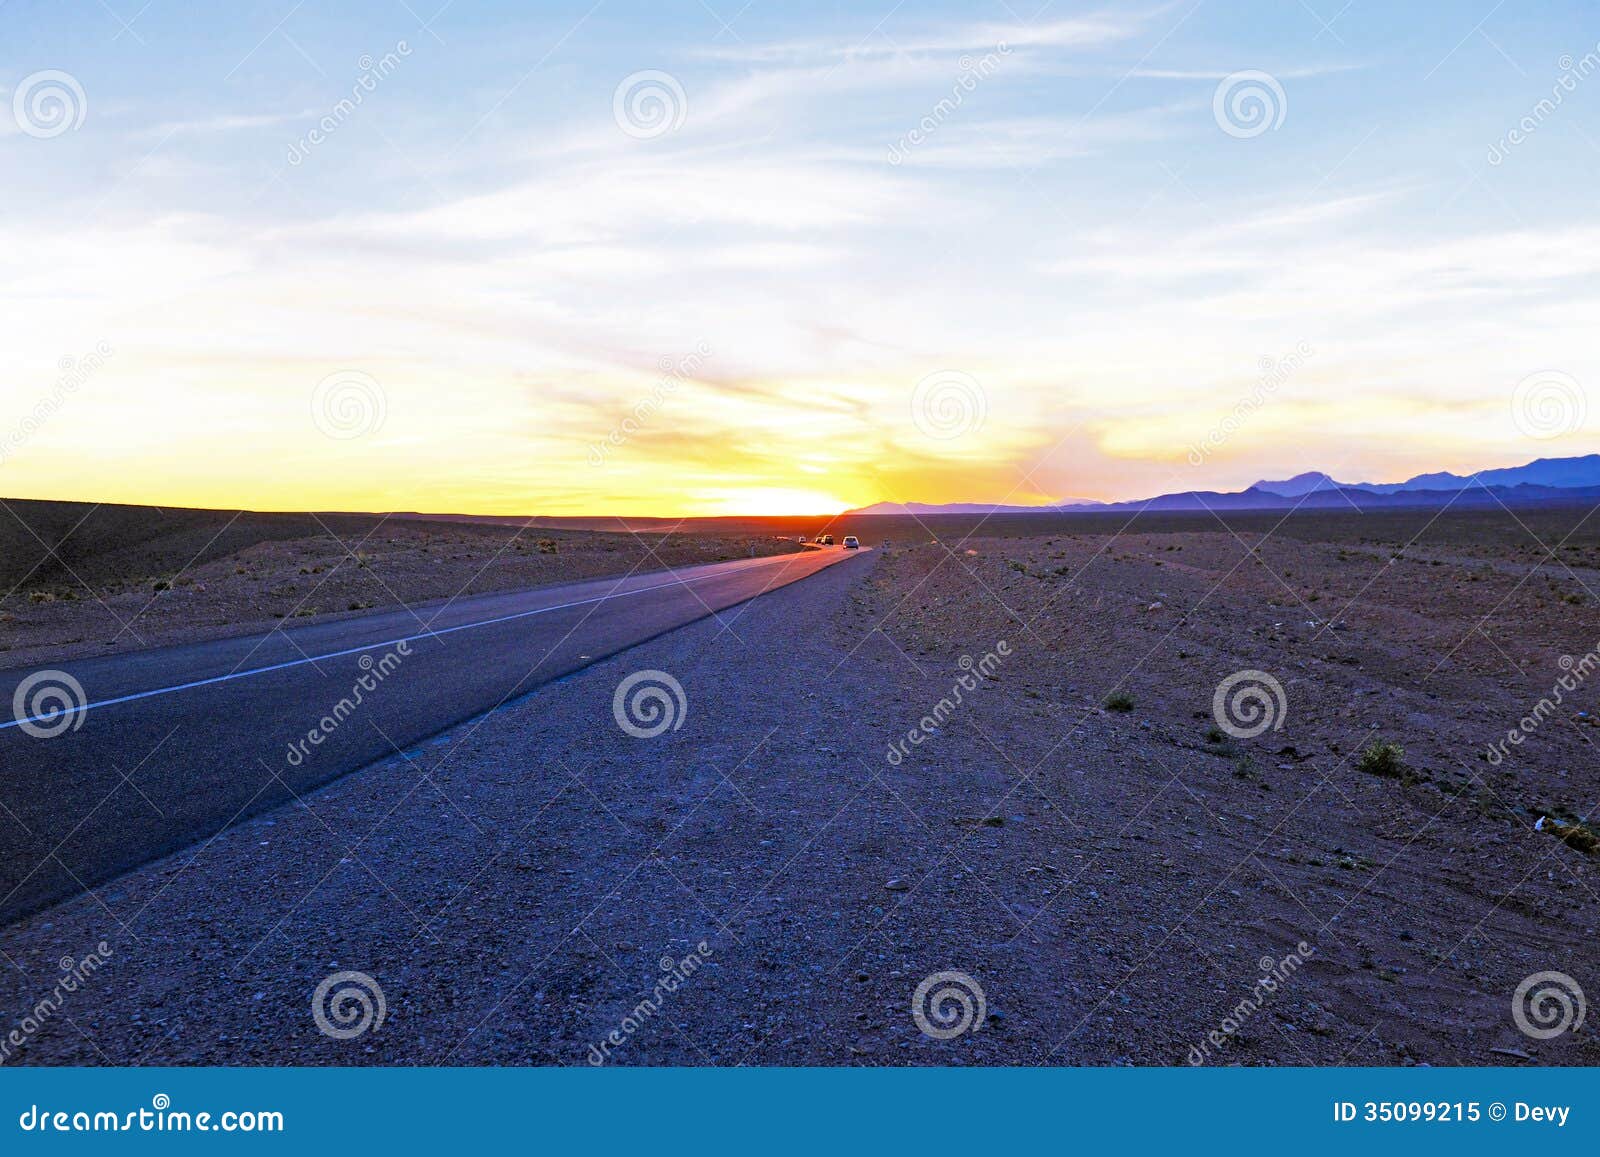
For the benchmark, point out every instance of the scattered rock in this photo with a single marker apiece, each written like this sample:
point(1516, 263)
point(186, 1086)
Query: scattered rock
point(1518, 1053)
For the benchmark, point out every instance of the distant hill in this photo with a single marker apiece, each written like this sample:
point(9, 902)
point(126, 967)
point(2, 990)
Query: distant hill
point(1300, 484)
point(1564, 473)
point(86, 546)
point(1358, 498)
point(1541, 482)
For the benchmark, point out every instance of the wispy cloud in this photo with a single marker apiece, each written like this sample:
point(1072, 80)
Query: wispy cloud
point(1294, 72)
point(1074, 33)
point(222, 123)
point(1024, 144)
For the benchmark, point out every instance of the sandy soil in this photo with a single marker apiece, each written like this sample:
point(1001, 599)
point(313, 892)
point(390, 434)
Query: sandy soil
point(1114, 880)
point(133, 600)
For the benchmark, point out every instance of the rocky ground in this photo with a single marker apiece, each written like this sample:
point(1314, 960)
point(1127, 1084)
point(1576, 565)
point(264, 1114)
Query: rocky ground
point(121, 599)
point(1079, 836)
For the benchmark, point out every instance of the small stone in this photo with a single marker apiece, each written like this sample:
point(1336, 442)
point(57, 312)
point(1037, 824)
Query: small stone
point(898, 885)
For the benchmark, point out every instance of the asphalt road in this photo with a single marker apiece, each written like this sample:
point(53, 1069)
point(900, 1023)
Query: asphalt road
point(175, 743)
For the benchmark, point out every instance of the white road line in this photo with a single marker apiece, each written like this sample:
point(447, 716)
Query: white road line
point(86, 708)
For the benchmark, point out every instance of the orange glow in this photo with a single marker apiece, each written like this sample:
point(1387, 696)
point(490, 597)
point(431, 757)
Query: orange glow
point(770, 500)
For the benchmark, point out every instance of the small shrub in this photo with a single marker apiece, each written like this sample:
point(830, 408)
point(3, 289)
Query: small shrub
point(162, 585)
point(1245, 769)
point(1383, 759)
point(1119, 701)
point(1576, 835)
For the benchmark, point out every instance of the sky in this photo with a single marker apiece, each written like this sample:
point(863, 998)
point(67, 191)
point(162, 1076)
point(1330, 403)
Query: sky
point(704, 258)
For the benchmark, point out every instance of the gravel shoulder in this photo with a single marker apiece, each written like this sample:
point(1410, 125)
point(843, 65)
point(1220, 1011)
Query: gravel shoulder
point(1114, 881)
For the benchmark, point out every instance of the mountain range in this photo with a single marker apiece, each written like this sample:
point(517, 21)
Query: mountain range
point(1541, 481)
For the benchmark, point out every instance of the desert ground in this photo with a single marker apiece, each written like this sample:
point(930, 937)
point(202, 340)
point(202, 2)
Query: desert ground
point(83, 579)
point(1077, 835)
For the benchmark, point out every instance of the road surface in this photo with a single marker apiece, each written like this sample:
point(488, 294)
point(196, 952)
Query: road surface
point(175, 743)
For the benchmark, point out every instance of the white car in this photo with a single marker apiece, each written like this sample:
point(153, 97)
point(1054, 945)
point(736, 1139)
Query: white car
point(851, 542)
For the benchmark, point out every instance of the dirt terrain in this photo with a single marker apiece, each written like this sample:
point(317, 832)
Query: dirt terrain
point(1077, 835)
point(86, 580)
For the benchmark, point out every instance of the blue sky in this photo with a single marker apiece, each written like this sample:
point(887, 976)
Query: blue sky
point(525, 301)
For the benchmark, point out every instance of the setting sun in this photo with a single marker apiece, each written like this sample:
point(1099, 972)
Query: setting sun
point(770, 501)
